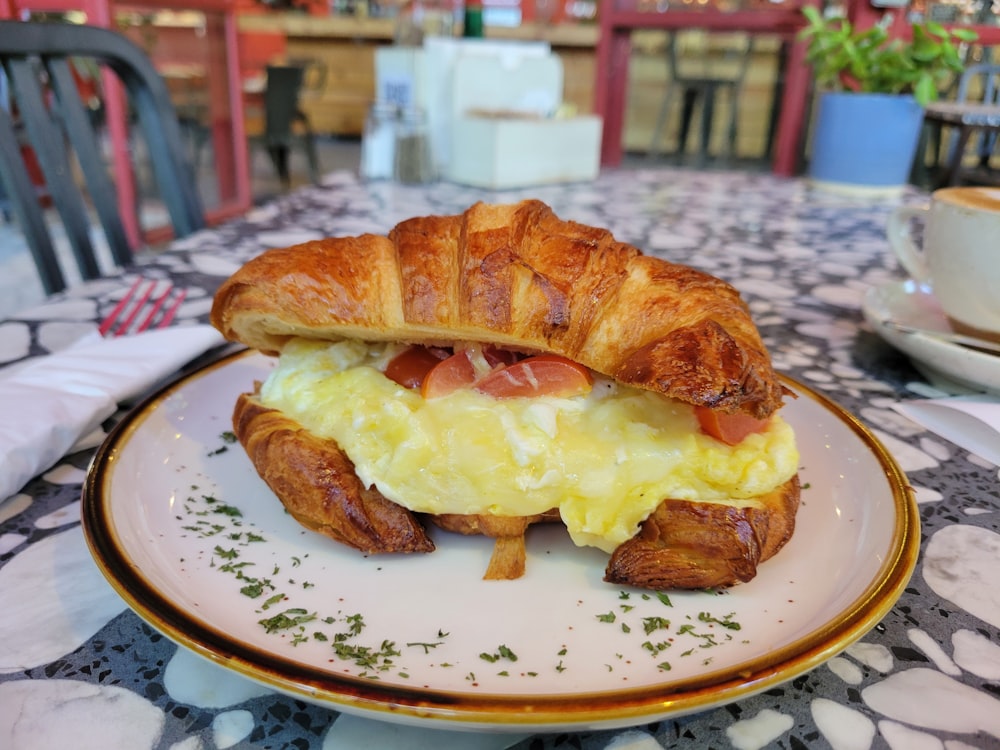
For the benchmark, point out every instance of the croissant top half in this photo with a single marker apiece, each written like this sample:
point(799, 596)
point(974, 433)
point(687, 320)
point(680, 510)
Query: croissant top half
point(516, 276)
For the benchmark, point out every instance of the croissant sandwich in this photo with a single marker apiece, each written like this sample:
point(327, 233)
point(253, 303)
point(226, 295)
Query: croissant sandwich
point(500, 368)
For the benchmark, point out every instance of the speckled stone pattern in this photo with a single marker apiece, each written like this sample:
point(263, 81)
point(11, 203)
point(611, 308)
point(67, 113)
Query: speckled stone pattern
point(78, 669)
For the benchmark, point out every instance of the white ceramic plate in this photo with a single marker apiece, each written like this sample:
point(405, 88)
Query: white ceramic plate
point(944, 363)
point(423, 638)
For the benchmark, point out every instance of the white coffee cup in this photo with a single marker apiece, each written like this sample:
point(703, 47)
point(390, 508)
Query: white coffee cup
point(959, 256)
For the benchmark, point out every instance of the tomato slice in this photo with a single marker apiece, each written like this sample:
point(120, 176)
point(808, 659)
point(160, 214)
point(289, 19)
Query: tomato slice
point(410, 366)
point(457, 371)
point(729, 428)
point(542, 375)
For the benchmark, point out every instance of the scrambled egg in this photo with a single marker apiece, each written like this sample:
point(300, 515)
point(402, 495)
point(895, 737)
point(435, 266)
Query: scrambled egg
point(606, 459)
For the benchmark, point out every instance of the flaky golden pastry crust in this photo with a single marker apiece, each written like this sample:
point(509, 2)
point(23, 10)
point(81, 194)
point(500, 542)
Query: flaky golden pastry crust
point(316, 482)
point(516, 276)
point(693, 545)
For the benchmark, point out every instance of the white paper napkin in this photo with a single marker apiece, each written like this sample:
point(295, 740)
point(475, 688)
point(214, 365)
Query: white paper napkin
point(972, 422)
point(51, 402)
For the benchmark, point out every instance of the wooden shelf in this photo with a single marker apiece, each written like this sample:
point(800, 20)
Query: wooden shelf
point(318, 27)
point(381, 29)
point(562, 35)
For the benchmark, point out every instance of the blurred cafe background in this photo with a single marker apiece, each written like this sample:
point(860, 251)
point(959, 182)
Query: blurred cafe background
point(272, 94)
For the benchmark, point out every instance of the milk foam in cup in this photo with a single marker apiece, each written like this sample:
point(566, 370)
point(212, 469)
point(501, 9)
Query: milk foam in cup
point(959, 255)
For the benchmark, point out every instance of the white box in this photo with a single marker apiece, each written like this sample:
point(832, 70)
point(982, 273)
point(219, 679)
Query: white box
point(503, 154)
point(423, 76)
point(441, 57)
point(502, 132)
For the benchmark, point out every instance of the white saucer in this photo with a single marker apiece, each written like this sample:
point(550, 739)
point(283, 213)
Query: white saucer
point(943, 363)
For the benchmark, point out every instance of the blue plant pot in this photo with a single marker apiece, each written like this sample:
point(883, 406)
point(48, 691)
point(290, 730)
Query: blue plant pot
point(868, 140)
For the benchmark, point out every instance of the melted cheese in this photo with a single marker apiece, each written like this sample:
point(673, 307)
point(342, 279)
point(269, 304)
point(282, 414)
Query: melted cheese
point(606, 460)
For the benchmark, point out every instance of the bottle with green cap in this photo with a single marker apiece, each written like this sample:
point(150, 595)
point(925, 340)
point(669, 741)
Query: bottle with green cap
point(472, 28)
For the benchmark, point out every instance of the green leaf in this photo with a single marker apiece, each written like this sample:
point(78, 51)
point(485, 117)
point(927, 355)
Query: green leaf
point(868, 60)
point(935, 28)
point(925, 91)
point(812, 15)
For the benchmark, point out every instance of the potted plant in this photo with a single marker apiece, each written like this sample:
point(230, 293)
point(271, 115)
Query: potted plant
point(874, 89)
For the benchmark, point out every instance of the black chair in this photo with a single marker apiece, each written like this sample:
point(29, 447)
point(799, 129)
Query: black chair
point(285, 124)
point(47, 119)
point(974, 111)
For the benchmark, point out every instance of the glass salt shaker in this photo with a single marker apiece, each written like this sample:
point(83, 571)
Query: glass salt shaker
point(378, 143)
point(414, 162)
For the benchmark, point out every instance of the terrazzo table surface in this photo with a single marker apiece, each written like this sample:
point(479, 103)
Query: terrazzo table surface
point(78, 669)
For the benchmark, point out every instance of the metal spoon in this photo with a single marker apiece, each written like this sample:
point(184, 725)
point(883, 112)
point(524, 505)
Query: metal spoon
point(961, 339)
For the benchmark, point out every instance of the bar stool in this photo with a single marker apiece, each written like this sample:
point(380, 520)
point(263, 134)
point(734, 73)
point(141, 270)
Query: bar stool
point(701, 65)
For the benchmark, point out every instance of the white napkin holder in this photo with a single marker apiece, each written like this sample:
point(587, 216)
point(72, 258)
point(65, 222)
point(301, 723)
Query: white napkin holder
point(504, 132)
point(422, 77)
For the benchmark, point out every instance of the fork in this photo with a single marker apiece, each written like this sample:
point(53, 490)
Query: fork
point(157, 311)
